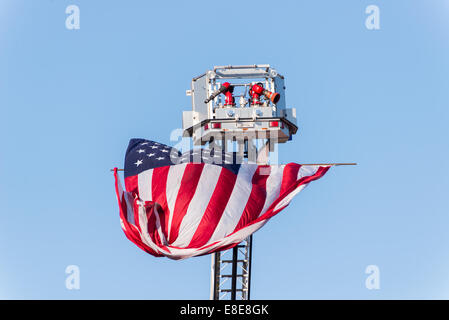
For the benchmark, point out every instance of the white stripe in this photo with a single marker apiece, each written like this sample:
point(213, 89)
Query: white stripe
point(236, 203)
point(174, 178)
point(304, 171)
point(307, 171)
point(204, 190)
point(285, 202)
point(237, 237)
point(273, 186)
point(144, 180)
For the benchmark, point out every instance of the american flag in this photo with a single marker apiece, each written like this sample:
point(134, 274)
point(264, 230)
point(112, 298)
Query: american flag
point(183, 205)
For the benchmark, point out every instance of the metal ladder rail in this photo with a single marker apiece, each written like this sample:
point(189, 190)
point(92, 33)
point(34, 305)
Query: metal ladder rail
point(237, 269)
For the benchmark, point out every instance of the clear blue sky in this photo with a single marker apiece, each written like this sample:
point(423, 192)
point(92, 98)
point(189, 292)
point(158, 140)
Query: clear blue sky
point(71, 99)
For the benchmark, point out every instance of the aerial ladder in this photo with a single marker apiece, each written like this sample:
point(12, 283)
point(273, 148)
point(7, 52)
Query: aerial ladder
point(238, 109)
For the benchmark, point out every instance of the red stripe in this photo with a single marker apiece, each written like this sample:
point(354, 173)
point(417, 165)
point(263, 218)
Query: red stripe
point(289, 176)
point(122, 204)
point(256, 199)
point(215, 208)
point(189, 183)
point(304, 180)
point(159, 196)
point(131, 184)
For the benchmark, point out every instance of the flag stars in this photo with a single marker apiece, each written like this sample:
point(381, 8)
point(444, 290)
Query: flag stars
point(140, 150)
point(160, 158)
point(150, 155)
point(138, 163)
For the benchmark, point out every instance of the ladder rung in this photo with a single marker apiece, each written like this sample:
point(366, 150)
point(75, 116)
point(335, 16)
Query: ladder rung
point(230, 261)
point(230, 275)
point(230, 290)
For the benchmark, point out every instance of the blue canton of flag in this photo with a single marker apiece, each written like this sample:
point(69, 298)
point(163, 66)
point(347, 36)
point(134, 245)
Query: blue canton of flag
point(144, 154)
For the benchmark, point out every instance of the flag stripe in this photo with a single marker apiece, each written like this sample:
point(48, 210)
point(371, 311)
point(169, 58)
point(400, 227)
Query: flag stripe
point(131, 184)
point(289, 177)
point(174, 180)
point(130, 231)
point(288, 194)
point(147, 236)
point(273, 186)
point(187, 189)
point(145, 180)
point(204, 190)
point(256, 200)
point(215, 208)
point(236, 204)
point(158, 190)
